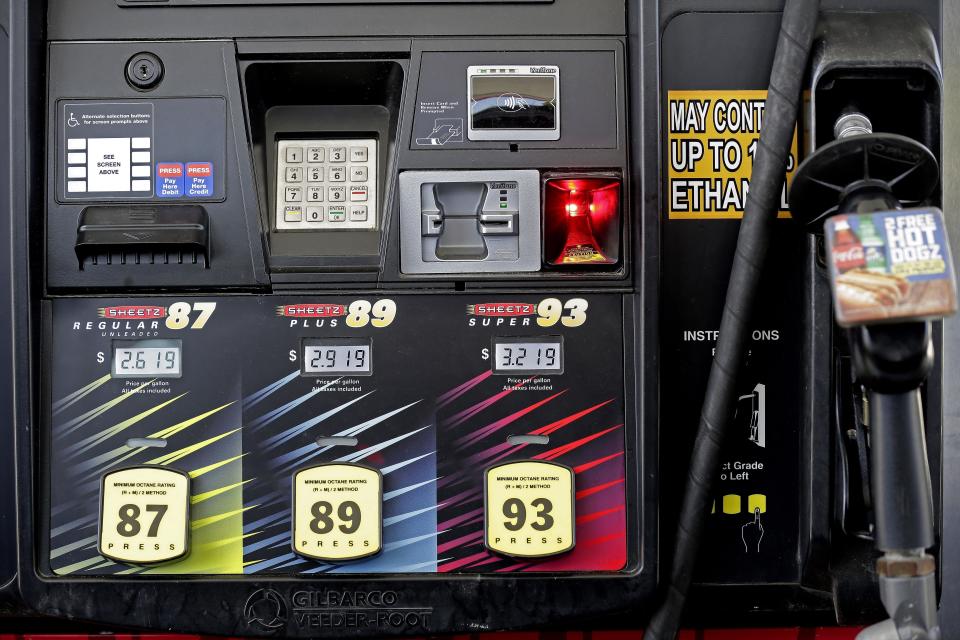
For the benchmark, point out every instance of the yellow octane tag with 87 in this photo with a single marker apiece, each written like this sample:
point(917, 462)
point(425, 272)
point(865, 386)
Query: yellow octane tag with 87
point(529, 509)
point(144, 515)
point(337, 512)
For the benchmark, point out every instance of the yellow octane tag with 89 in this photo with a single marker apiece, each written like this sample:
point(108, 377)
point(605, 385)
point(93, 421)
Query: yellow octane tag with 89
point(144, 515)
point(529, 509)
point(337, 512)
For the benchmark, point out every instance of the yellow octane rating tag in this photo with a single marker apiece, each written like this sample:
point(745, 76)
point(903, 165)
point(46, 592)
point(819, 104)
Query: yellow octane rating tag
point(144, 515)
point(529, 509)
point(337, 512)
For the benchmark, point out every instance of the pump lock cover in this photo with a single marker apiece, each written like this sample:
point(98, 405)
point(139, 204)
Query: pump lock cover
point(890, 266)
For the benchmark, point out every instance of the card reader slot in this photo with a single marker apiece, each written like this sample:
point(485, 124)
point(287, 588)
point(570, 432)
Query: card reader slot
point(143, 235)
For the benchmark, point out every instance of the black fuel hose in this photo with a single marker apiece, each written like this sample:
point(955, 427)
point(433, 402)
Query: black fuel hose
point(763, 203)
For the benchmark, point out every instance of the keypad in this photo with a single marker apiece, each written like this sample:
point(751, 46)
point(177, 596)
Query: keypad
point(326, 184)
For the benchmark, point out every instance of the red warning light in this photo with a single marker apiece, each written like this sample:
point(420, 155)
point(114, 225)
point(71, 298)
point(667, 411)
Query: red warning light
point(582, 220)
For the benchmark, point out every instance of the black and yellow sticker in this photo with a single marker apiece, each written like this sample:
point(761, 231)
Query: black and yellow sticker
point(529, 509)
point(337, 512)
point(144, 515)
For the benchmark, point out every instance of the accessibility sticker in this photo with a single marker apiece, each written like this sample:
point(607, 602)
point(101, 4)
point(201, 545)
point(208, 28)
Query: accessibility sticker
point(712, 138)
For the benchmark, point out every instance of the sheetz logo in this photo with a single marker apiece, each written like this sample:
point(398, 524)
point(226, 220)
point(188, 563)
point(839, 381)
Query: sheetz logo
point(132, 312)
point(312, 310)
point(502, 309)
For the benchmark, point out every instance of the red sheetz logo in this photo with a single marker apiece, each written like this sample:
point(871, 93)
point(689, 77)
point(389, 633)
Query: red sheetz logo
point(311, 310)
point(132, 312)
point(502, 309)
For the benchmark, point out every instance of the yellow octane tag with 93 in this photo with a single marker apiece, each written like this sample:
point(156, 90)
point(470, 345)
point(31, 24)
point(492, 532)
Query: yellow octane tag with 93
point(529, 509)
point(144, 515)
point(337, 512)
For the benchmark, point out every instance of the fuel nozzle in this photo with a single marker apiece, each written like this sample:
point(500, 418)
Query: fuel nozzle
point(891, 275)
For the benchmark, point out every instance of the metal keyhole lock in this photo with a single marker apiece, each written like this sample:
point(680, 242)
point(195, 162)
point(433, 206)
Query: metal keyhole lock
point(144, 71)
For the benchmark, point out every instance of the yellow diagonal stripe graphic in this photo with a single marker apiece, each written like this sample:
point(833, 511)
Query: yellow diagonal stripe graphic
point(203, 522)
point(79, 394)
point(216, 465)
point(84, 418)
point(129, 422)
point(202, 497)
point(186, 451)
point(169, 432)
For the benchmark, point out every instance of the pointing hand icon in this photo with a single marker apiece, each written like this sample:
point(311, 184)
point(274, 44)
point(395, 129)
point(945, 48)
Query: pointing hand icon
point(752, 533)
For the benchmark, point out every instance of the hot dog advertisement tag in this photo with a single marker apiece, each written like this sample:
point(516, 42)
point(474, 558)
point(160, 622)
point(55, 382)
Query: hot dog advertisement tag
point(890, 266)
point(144, 515)
point(529, 509)
point(337, 513)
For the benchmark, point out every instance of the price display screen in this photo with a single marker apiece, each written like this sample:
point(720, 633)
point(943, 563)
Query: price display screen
point(337, 356)
point(147, 359)
point(541, 355)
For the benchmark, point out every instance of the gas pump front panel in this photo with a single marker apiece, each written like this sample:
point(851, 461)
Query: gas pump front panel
point(342, 333)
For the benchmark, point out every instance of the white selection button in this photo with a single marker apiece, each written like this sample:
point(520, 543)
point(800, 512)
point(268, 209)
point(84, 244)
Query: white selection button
point(140, 157)
point(77, 186)
point(140, 171)
point(77, 144)
point(108, 165)
point(140, 143)
point(76, 172)
point(141, 185)
point(76, 158)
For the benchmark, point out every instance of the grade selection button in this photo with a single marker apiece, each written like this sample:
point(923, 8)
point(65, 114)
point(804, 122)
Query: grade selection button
point(337, 512)
point(144, 515)
point(529, 509)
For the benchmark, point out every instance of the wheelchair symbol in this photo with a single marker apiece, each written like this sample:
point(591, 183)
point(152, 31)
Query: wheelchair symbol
point(72, 122)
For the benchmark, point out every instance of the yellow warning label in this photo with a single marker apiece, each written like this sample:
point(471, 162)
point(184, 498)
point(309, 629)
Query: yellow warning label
point(337, 512)
point(144, 513)
point(712, 138)
point(529, 509)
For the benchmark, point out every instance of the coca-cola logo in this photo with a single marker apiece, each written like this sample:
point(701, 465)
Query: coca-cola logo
point(848, 257)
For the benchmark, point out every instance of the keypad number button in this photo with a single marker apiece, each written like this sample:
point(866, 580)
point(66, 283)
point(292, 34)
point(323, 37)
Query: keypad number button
point(337, 194)
point(293, 194)
point(294, 174)
point(315, 154)
point(314, 194)
point(338, 174)
point(315, 174)
point(294, 155)
point(314, 214)
point(338, 154)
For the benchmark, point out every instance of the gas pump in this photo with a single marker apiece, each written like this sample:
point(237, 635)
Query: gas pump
point(373, 318)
